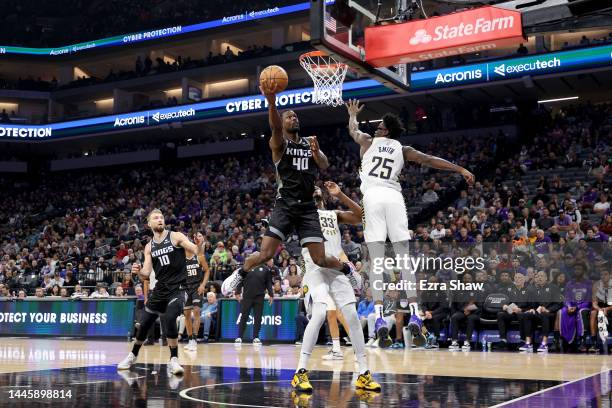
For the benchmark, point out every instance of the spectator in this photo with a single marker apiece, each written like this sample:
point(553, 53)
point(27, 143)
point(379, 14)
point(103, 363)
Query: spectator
point(100, 292)
point(39, 293)
point(208, 314)
point(522, 50)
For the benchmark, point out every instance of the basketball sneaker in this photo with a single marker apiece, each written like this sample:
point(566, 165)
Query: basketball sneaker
point(231, 282)
point(256, 342)
point(300, 399)
point(370, 343)
point(333, 355)
point(191, 345)
point(415, 326)
point(127, 362)
point(300, 381)
point(466, 346)
point(397, 345)
point(382, 331)
point(366, 383)
point(543, 348)
point(454, 346)
point(174, 367)
point(526, 347)
point(366, 396)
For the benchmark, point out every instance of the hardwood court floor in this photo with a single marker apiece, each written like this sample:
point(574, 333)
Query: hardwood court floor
point(22, 354)
point(223, 375)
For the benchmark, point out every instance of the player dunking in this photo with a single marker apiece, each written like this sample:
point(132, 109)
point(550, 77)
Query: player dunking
point(321, 284)
point(297, 160)
point(382, 161)
point(197, 276)
point(165, 255)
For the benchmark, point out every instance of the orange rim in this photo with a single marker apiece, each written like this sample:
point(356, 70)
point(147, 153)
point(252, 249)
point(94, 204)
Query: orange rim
point(317, 53)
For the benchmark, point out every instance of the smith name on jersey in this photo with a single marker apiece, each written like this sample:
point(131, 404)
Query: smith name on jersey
point(382, 164)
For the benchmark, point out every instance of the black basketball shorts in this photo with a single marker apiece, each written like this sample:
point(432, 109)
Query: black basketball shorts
point(164, 300)
point(194, 299)
point(302, 218)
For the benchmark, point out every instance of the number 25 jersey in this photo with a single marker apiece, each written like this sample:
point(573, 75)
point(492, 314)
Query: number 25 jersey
point(382, 165)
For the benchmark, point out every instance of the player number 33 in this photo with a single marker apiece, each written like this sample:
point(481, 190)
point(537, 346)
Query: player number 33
point(40, 394)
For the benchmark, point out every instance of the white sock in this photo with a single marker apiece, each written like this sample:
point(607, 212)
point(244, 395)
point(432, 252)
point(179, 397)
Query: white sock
point(414, 309)
point(356, 334)
point(378, 310)
point(336, 345)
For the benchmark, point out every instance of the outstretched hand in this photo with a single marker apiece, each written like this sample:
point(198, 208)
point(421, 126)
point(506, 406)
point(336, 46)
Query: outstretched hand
point(268, 89)
point(468, 176)
point(332, 187)
point(314, 144)
point(353, 107)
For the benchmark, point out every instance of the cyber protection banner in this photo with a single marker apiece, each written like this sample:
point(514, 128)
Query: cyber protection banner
point(184, 113)
point(552, 63)
point(79, 318)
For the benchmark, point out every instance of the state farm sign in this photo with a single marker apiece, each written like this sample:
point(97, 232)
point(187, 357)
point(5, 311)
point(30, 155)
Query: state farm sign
point(459, 33)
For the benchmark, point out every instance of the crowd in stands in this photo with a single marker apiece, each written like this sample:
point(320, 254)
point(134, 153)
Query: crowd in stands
point(57, 23)
point(91, 226)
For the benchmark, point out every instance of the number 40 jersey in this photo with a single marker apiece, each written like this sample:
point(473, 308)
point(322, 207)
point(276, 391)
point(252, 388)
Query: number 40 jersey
point(382, 164)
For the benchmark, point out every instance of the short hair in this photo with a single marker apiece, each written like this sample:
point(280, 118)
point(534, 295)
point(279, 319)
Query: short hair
point(393, 124)
point(153, 211)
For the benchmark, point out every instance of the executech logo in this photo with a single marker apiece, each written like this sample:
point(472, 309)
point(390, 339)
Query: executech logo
point(158, 117)
point(509, 69)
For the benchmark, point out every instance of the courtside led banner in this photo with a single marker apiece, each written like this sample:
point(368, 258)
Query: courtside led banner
point(564, 61)
point(278, 321)
point(91, 318)
point(240, 105)
point(475, 30)
point(163, 32)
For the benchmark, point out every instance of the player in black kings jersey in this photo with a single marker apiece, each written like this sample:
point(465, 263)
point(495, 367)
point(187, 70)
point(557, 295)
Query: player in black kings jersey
point(197, 276)
point(297, 161)
point(165, 255)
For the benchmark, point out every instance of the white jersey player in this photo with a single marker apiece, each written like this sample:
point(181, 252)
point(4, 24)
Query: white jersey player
point(323, 287)
point(382, 161)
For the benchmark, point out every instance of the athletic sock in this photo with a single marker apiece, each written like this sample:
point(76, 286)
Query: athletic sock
point(136, 349)
point(414, 309)
point(304, 357)
point(173, 352)
point(378, 310)
point(336, 345)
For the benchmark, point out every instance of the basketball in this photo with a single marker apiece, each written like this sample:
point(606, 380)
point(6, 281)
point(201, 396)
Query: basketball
point(276, 74)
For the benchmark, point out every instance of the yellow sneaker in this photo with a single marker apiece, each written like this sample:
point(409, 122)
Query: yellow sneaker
point(300, 399)
point(366, 383)
point(300, 381)
point(366, 396)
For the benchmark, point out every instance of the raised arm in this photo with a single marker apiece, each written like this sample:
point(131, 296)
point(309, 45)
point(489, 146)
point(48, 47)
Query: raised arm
point(354, 214)
point(277, 141)
point(413, 155)
point(180, 240)
point(362, 139)
point(319, 157)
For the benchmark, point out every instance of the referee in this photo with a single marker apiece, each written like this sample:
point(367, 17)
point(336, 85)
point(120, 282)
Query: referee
point(254, 286)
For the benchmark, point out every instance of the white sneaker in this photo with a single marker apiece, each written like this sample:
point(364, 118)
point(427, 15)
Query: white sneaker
point(370, 342)
point(256, 342)
point(454, 346)
point(230, 284)
point(333, 355)
point(127, 362)
point(174, 367)
point(192, 345)
point(347, 341)
point(238, 343)
point(466, 346)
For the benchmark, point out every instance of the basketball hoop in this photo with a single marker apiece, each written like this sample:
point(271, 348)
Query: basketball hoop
point(327, 75)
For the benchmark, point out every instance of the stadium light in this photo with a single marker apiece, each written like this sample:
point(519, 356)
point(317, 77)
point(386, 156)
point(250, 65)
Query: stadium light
point(569, 98)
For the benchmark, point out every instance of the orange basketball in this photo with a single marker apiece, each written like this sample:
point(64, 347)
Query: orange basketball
point(276, 74)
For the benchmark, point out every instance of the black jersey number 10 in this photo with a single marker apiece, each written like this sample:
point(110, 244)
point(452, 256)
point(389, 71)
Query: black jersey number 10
point(385, 168)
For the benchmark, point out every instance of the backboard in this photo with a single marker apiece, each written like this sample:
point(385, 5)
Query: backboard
point(338, 29)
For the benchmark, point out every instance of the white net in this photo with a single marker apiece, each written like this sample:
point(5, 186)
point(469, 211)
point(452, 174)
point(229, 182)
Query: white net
point(327, 75)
